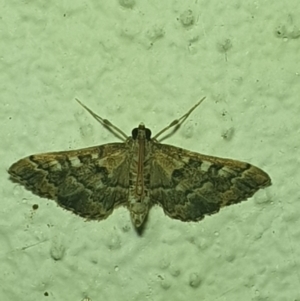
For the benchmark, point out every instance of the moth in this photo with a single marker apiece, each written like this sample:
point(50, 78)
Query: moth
point(137, 173)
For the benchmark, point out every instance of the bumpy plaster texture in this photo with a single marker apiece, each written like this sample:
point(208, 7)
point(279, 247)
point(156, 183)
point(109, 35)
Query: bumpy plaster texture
point(150, 61)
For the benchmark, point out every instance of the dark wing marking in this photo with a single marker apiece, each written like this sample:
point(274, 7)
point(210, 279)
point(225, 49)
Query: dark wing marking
point(189, 185)
point(90, 182)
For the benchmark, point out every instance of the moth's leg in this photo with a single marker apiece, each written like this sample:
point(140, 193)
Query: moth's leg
point(178, 122)
point(106, 123)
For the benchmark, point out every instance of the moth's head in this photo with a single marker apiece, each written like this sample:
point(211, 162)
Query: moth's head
point(138, 213)
point(141, 132)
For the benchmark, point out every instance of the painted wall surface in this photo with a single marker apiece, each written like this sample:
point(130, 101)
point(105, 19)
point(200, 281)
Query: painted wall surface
point(150, 61)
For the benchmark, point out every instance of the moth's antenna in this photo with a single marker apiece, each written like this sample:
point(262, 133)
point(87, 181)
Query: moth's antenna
point(106, 123)
point(178, 122)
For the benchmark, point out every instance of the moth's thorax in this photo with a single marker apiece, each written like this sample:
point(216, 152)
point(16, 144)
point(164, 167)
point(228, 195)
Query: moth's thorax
point(138, 204)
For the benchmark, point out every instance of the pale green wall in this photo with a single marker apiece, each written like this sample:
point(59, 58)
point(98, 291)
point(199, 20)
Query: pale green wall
point(150, 61)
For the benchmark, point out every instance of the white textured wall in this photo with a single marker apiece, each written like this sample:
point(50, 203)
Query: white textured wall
point(133, 61)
